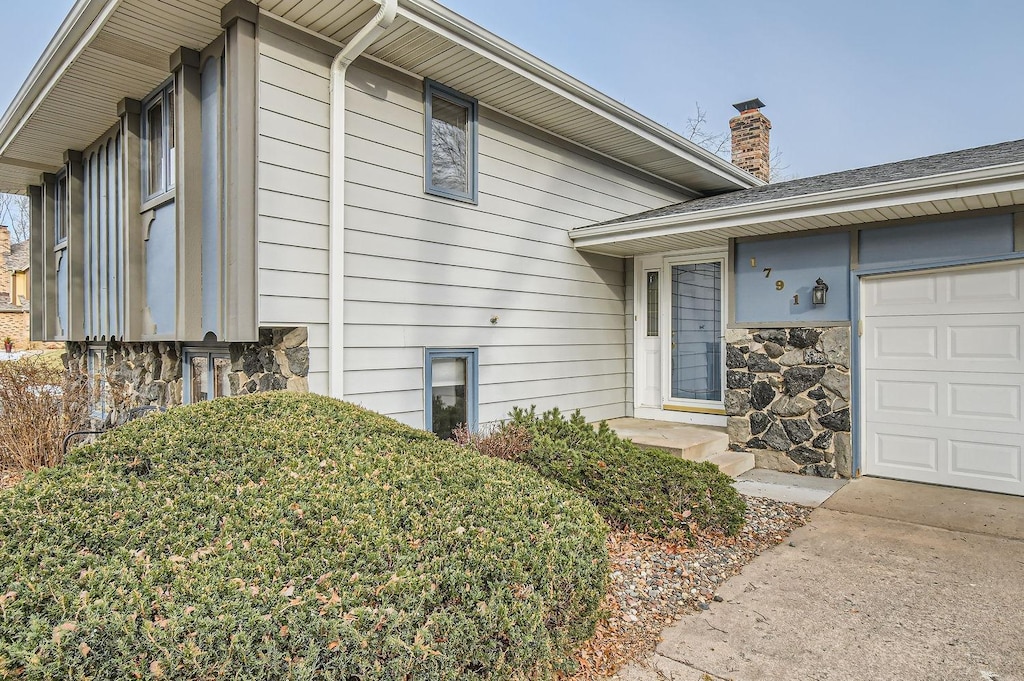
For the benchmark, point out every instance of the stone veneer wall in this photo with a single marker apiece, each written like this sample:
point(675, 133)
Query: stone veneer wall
point(788, 398)
point(151, 373)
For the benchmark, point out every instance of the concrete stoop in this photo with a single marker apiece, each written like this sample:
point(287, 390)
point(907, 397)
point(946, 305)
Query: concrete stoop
point(697, 443)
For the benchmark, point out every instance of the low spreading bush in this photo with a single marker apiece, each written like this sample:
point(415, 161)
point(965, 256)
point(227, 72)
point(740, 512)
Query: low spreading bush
point(646, 490)
point(40, 403)
point(279, 536)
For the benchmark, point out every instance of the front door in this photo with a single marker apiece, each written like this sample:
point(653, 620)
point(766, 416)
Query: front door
point(694, 359)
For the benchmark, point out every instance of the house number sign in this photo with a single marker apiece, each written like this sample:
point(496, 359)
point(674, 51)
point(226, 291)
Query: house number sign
point(779, 283)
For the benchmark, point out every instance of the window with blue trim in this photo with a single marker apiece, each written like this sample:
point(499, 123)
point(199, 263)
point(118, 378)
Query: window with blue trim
point(451, 390)
point(451, 143)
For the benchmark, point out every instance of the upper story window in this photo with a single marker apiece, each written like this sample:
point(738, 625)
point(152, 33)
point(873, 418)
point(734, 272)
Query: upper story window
point(158, 142)
point(451, 147)
point(60, 209)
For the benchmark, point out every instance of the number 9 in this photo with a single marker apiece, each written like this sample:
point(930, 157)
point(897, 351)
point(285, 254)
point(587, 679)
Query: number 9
point(779, 285)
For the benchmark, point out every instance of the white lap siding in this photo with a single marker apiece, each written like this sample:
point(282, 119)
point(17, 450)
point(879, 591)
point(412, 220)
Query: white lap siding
point(292, 181)
point(426, 272)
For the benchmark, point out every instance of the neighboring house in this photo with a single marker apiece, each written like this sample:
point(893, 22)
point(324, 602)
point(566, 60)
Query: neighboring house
point(14, 311)
point(454, 228)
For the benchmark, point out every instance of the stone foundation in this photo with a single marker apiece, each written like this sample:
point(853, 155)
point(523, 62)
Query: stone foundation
point(140, 374)
point(788, 398)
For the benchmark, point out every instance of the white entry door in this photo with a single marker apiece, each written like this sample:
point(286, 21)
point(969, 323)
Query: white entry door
point(942, 374)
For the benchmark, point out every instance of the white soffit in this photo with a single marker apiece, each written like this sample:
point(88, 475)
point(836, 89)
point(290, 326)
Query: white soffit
point(979, 189)
point(111, 49)
point(431, 41)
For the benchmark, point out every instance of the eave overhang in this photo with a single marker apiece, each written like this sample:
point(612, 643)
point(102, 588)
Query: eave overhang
point(942, 194)
point(107, 50)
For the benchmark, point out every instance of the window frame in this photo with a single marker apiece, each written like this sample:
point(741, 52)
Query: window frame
point(61, 209)
point(99, 385)
point(472, 357)
point(210, 354)
point(430, 90)
point(163, 97)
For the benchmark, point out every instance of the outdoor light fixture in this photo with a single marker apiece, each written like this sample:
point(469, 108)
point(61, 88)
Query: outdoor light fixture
point(818, 292)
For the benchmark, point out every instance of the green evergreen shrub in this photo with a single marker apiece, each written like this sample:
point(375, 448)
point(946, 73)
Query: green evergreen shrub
point(279, 536)
point(647, 490)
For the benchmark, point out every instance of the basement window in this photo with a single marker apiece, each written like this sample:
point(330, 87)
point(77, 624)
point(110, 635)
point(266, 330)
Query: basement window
point(452, 386)
point(207, 375)
point(451, 144)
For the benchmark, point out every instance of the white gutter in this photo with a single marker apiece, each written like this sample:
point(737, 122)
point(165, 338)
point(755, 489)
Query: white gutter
point(945, 186)
point(366, 36)
point(78, 29)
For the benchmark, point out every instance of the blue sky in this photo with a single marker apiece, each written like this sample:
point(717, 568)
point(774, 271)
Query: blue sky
point(846, 84)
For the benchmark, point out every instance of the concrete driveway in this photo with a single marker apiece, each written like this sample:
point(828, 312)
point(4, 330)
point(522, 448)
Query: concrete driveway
point(889, 580)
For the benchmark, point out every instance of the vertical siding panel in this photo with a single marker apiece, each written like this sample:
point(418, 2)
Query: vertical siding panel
point(101, 231)
point(88, 206)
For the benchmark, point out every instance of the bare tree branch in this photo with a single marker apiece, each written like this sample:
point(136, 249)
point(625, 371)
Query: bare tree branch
point(718, 143)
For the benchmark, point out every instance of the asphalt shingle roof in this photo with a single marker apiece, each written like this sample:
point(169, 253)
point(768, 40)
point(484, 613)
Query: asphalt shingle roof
point(964, 159)
point(19, 258)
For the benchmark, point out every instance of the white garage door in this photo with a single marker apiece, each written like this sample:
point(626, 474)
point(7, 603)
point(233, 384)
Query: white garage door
point(943, 370)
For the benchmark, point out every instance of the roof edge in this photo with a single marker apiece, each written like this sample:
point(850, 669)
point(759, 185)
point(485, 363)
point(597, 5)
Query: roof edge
point(779, 209)
point(74, 33)
point(440, 17)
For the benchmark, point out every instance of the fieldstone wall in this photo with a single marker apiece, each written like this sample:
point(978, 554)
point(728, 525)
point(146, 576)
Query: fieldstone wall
point(152, 373)
point(788, 398)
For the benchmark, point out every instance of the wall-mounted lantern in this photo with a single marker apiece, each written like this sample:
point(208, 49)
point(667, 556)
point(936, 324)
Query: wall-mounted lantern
point(818, 292)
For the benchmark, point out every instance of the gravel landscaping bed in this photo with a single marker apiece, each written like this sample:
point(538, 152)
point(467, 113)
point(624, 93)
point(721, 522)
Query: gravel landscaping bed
point(655, 582)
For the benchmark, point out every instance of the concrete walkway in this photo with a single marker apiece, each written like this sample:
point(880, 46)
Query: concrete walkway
point(889, 580)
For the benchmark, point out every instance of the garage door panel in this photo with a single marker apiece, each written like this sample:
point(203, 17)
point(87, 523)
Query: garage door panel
point(989, 461)
point(985, 290)
point(942, 357)
point(988, 289)
point(986, 461)
point(944, 399)
point(978, 342)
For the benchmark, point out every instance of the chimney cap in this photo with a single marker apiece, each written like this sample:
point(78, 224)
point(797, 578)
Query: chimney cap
point(750, 104)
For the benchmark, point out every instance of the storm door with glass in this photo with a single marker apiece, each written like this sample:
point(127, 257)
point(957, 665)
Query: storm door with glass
point(695, 348)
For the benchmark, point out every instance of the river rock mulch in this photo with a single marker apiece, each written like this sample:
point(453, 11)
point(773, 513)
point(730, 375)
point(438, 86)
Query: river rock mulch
point(655, 582)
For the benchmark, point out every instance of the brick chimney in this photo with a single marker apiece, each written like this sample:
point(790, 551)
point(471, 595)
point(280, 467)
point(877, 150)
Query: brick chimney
point(750, 142)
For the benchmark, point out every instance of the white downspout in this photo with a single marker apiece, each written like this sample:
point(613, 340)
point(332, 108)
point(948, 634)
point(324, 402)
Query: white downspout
point(380, 23)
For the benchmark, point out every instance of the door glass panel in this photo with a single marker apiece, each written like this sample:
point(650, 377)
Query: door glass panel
point(448, 395)
point(697, 331)
point(652, 303)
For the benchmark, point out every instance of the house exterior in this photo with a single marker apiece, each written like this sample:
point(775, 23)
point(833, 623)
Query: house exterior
point(368, 201)
point(386, 203)
point(13, 289)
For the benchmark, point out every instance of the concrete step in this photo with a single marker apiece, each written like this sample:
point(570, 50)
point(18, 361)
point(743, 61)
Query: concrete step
point(733, 463)
point(696, 443)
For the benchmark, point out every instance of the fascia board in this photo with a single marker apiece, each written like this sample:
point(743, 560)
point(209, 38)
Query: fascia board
point(76, 31)
point(457, 29)
point(1009, 177)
